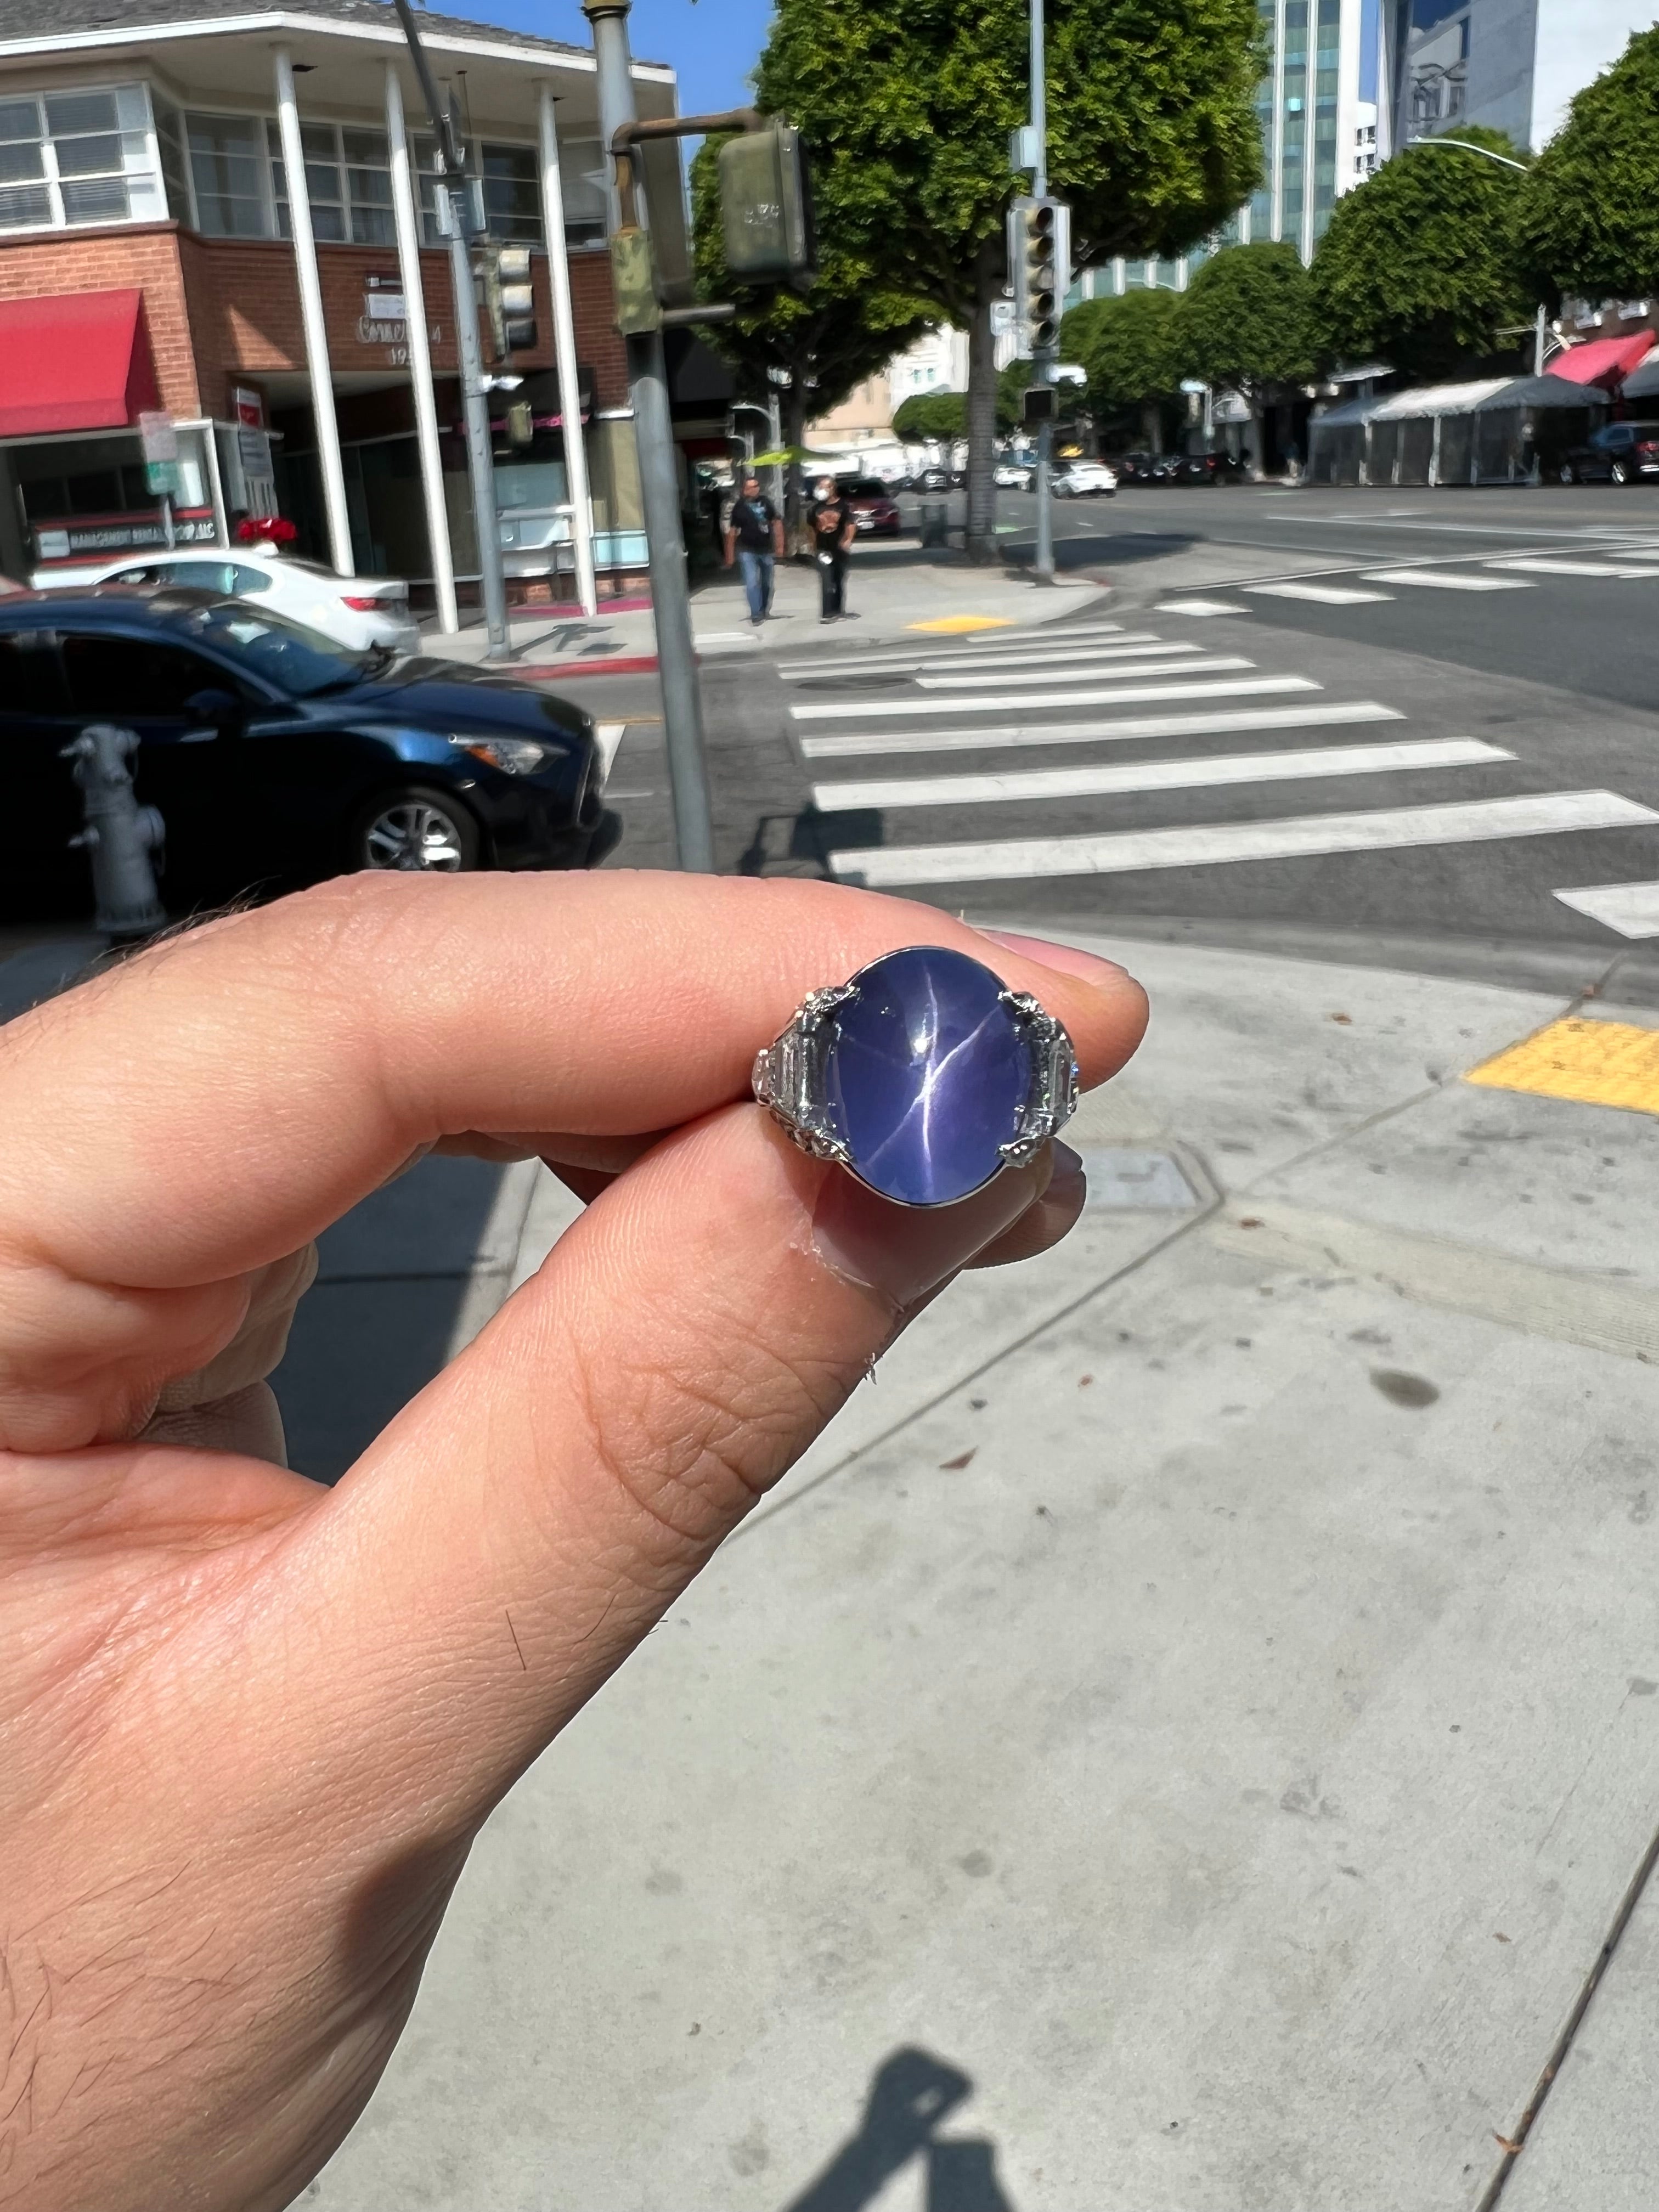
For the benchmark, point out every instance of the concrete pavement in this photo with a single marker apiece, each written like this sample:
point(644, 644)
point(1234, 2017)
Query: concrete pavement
point(1181, 1741)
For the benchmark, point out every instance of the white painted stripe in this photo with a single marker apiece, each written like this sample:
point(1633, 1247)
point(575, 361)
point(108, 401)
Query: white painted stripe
point(607, 736)
point(1009, 649)
point(1600, 570)
point(1012, 735)
point(1201, 845)
point(1049, 630)
point(1013, 785)
point(1199, 607)
point(1237, 687)
point(1145, 646)
point(1448, 580)
point(1632, 909)
point(1324, 595)
point(1067, 674)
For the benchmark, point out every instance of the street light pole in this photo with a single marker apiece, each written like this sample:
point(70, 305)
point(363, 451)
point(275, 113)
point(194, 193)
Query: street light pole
point(1043, 357)
point(659, 487)
point(455, 219)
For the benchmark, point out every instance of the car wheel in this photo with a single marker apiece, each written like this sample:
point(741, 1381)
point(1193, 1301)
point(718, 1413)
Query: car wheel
point(1618, 473)
point(1565, 473)
point(419, 830)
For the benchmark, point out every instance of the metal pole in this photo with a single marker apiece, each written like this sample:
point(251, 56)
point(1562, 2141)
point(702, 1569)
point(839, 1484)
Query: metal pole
point(407, 222)
point(653, 435)
point(1539, 342)
point(313, 320)
point(564, 352)
point(455, 220)
point(1044, 357)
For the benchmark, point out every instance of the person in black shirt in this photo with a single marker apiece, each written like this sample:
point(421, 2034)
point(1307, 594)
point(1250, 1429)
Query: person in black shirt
point(754, 538)
point(834, 526)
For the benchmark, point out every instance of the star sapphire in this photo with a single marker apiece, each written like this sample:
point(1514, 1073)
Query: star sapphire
point(928, 1071)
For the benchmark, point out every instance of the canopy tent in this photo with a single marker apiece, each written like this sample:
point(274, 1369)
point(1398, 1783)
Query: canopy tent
point(1494, 430)
point(1642, 383)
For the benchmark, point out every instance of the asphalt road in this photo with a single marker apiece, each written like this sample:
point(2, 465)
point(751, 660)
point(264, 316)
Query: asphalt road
point(1408, 766)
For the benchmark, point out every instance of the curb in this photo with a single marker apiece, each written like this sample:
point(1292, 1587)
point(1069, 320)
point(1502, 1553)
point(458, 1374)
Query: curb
point(640, 664)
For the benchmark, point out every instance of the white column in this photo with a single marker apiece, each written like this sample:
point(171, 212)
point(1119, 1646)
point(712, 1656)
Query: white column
point(564, 352)
point(407, 219)
point(311, 312)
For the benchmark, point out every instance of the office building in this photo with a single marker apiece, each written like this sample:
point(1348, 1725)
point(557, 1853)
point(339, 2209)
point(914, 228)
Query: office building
point(1511, 65)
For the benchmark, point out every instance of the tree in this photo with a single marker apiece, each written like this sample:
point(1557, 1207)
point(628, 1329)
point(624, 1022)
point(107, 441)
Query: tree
point(1130, 349)
point(1247, 320)
point(932, 417)
point(905, 106)
point(1418, 266)
point(818, 345)
point(1587, 218)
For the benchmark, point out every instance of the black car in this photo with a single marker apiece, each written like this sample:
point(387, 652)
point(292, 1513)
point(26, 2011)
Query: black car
point(276, 757)
point(1619, 453)
point(1208, 469)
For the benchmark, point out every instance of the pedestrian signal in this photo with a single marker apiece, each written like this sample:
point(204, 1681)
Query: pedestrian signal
point(1039, 256)
point(766, 208)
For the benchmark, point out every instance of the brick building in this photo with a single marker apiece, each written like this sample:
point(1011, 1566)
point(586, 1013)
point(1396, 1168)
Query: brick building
point(152, 266)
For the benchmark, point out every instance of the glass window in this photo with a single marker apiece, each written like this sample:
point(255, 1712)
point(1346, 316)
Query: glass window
point(297, 659)
point(175, 167)
point(224, 167)
point(76, 157)
point(129, 676)
point(244, 579)
point(30, 682)
point(512, 193)
point(322, 152)
point(581, 173)
point(25, 194)
point(368, 186)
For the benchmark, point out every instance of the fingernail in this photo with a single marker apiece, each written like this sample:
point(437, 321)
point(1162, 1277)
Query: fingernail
point(1068, 1174)
point(1066, 958)
point(902, 1252)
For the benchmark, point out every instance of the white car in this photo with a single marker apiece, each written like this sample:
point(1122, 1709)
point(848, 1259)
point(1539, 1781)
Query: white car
point(1078, 479)
point(356, 611)
point(1013, 475)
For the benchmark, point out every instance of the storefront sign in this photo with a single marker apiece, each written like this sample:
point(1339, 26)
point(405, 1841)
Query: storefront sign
point(88, 536)
point(384, 319)
point(161, 444)
point(252, 439)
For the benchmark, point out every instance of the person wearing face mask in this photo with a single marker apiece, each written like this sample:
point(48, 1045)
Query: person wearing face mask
point(835, 524)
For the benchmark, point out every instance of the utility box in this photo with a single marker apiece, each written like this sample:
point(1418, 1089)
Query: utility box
point(633, 278)
point(766, 208)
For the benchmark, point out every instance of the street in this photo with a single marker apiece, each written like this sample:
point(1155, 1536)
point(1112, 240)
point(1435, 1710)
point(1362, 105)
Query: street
point(1301, 717)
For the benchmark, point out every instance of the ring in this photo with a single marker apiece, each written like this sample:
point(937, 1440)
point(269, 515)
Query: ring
point(922, 1075)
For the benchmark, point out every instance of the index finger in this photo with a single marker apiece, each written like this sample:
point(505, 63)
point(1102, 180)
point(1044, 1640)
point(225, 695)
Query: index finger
point(224, 1097)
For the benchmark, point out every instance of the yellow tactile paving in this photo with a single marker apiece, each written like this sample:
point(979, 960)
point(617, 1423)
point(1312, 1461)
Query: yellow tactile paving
point(1593, 1063)
point(953, 624)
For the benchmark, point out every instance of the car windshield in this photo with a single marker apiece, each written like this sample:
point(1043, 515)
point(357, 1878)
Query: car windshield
point(299, 661)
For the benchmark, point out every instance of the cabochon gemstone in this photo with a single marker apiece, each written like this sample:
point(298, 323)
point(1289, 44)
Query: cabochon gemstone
point(926, 1076)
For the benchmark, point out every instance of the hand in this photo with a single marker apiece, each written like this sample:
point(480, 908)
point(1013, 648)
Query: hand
point(249, 1726)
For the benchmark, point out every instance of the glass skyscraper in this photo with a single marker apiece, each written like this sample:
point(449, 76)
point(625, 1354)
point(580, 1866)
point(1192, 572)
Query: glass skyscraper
point(1308, 104)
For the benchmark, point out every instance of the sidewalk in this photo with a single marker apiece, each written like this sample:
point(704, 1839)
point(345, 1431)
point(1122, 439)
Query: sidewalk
point(895, 589)
point(1199, 1702)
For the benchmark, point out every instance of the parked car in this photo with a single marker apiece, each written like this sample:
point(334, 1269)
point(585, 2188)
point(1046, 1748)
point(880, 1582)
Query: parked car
point(1208, 469)
point(874, 505)
point(1618, 453)
point(1083, 480)
point(931, 477)
point(357, 611)
point(1014, 476)
point(277, 756)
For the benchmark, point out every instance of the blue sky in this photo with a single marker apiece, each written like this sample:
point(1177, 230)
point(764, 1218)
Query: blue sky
point(713, 43)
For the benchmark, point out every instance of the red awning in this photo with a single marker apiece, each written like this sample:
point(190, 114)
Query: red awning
point(1603, 361)
point(74, 361)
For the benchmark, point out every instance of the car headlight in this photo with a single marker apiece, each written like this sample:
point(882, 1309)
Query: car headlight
point(512, 755)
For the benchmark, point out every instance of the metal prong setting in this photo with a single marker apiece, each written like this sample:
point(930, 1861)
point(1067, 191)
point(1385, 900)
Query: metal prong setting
point(789, 1076)
point(1052, 1100)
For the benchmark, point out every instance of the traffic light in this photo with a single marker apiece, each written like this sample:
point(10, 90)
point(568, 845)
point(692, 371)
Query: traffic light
point(766, 208)
point(509, 298)
point(1039, 402)
point(1039, 257)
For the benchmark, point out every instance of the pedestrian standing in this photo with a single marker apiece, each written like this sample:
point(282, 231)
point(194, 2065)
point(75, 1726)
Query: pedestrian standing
point(834, 526)
point(754, 538)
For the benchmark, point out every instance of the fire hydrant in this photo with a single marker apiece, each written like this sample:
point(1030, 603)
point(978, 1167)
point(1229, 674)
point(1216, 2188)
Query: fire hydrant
point(120, 835)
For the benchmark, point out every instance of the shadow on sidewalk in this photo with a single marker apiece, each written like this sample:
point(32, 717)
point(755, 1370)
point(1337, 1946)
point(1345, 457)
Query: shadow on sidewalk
point(911, 2093)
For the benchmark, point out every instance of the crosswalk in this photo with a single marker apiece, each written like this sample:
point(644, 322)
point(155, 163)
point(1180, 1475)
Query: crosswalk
point(1618, 563)
point(1133, 769)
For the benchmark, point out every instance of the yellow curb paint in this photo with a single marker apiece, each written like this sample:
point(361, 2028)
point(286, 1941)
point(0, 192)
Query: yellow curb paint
point(1592, 1063)
point(954, 625)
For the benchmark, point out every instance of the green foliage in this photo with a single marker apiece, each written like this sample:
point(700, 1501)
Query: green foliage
point(1248, 320)
point(927, 416)
point(826, 340)
point(1417, 264)
point(1011, 383)
point(1130, 347)
point(906, 106)
point(1588, 217)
